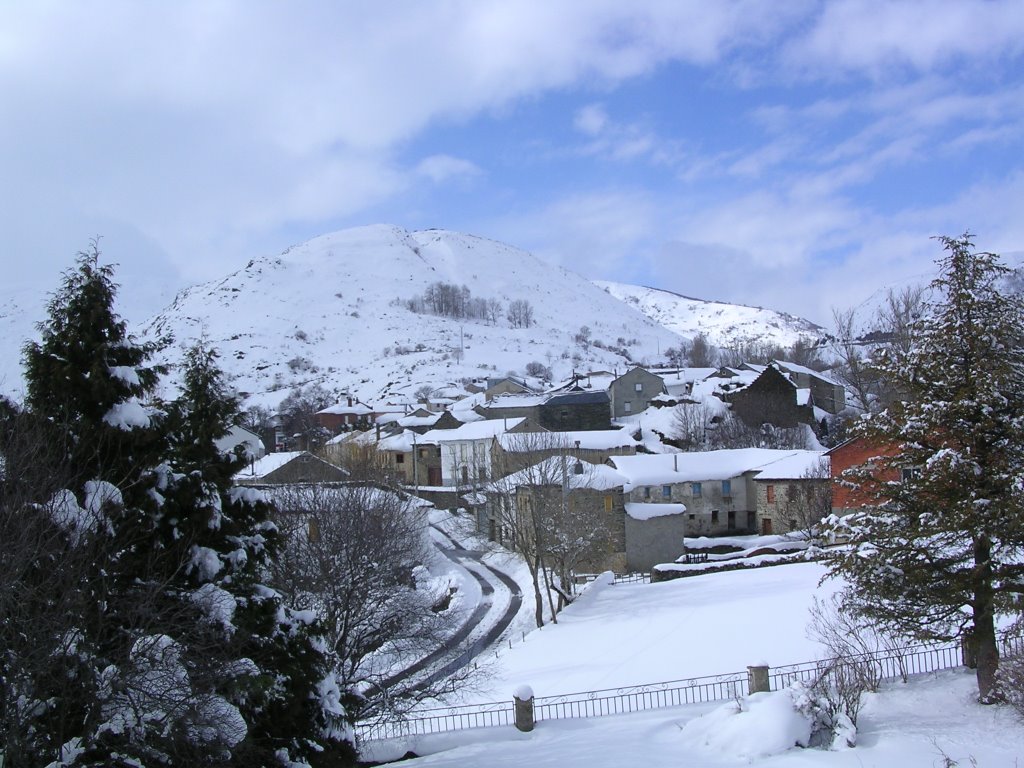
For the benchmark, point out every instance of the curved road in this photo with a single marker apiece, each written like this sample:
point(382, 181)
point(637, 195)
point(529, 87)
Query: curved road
point(488, 578)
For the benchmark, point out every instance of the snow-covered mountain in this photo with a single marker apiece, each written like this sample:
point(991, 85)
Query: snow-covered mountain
point(333, 311)
point(723, 324)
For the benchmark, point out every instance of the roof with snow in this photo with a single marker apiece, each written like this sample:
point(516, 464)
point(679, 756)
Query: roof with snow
point(669, 468)
point(645, 511)
point(599, 477)
point(477, 430)
point(592, 440)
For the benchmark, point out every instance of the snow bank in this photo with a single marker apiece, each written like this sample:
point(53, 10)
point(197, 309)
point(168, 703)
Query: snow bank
point(758, 725)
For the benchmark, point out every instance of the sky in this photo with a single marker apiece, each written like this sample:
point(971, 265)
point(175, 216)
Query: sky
point(795, 155)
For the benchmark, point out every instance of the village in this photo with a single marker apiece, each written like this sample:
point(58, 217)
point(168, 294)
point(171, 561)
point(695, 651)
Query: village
point(603, 453)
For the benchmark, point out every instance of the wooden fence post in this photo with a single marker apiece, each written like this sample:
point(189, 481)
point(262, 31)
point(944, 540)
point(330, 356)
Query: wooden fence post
point(522, 701)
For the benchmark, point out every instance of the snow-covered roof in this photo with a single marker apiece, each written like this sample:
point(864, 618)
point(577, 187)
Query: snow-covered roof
point(518, 400)
point(263, 467)
point(593, 440)
point(599, 477)
point(794, 368)
point(241, 436)
point(344, 409)
point(478, 430)
point(669, 468)
point(645, 511)
point(800, 465)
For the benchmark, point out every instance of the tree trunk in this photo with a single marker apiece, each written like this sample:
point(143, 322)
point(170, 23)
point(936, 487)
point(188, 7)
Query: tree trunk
point(984, 634)
point(538, 601)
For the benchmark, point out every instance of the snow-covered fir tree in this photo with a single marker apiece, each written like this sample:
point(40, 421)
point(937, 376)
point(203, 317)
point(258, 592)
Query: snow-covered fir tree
point(942, 552)
point(174, 652)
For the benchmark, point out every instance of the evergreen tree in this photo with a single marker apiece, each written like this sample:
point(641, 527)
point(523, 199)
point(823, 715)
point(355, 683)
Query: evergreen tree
point(173, 652)
point(940, 555)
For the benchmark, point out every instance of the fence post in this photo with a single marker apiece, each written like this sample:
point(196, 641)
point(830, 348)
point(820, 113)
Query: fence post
point(757, 679)
point(522, 701)
point(968, 652)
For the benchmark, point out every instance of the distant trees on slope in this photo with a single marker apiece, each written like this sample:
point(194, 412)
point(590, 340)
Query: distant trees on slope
point(456, 302)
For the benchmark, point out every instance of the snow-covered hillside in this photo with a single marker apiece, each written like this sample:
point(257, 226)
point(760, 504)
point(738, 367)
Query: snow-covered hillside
point(331, 311)
point(723, 324)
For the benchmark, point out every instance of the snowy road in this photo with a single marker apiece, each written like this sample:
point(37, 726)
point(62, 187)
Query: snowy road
point(499, 603)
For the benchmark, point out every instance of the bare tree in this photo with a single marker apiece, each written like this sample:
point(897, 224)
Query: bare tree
point(690, 425)
point(701, 353)
point(548, 511)
point(520, 313)
point(355, 556)
point(809, 501)
point(859, 340)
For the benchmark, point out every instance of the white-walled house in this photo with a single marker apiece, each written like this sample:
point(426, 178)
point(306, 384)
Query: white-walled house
point(466, 452)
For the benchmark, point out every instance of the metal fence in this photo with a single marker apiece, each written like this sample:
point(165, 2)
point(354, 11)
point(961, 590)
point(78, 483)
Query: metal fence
point(617, 701)
point(889, 665)
point(439, 720)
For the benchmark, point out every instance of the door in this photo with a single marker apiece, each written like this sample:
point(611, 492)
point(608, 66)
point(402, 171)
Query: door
point(766, 526)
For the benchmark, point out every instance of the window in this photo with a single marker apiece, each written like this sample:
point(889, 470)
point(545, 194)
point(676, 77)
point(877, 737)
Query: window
point(693, 516)
point(423, 453)
point(770, 492)
point(647, 491)
point(399, 458)
point(627, 406)
point(666, 491)
point(727, 487)
point(695, 490)
point(714, 516)
point(638, 387)
point(481, 473)
point(910, 473)
point(607, 503)
point(731, 518)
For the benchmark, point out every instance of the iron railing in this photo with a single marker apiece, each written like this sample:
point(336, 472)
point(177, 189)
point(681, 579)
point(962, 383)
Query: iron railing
point(636, 698)
point(889, 665)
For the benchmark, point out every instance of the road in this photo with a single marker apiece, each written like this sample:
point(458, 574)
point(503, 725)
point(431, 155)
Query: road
point(482, 628)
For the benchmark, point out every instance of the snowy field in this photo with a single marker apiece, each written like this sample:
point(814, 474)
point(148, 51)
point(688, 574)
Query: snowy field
point(628, 634)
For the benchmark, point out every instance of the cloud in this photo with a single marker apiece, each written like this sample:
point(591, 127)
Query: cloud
point(881, 38)
point(440, 168)
point(591, 119)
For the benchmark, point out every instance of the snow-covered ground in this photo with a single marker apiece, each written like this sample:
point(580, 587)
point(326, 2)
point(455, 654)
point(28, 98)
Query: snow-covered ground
point(630, 634)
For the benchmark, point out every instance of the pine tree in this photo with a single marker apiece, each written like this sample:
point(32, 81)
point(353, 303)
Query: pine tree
point(940, 556)
point(173, 650)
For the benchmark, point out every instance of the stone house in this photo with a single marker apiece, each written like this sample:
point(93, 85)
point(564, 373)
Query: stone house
point(584, 499)
point(633, 391)
point(717, 488)
point(571, 411)
point(575, 412)
point(826, 394)
point(772, 398)
point(466, 452)
point(793, 493)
